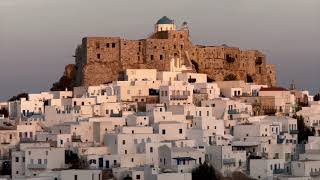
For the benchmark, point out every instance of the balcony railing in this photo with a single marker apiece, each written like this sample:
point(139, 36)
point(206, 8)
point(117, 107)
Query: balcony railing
point(37, 166)
point(315, 173)
point(279, 171)
point(294, 131)
point(116, 114)
point(76, 138)
point(189, 117)
point(4, 158)
point(233, 111)
point(178, 97)
point(229, 161)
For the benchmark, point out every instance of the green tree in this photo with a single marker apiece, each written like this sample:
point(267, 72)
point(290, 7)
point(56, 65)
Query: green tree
point(230, 77)
point(127, 178)
point(316, 97)
point(6, 168)
point(204, 171)
point(72, 159)
point(19, 96)
point(4, 112)
point(303, 130)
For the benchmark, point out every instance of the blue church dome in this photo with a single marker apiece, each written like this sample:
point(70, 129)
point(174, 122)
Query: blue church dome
point(165, 20)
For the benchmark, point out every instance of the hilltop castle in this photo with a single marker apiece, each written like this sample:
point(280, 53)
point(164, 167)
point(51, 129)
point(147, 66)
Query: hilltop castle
point(100, 60)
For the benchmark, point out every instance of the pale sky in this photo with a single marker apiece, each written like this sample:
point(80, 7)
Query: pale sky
point(38, 37)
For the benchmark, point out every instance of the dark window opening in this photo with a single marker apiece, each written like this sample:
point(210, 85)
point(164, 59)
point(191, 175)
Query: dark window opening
point(163, 131)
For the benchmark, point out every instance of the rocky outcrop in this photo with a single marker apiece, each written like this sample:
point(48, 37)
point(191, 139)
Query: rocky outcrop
point(67, 80)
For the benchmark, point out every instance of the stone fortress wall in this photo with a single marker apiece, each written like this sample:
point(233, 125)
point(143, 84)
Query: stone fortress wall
point(101, 59)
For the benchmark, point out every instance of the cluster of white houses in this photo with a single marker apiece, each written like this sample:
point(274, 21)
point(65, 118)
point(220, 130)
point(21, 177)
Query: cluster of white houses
point(160, 126)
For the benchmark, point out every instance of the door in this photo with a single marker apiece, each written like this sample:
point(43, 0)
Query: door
point(100, 162)
point(107, 164)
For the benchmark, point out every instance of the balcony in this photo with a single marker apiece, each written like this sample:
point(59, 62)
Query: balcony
point(229, 161)
point(189, 117)
point(76, 138)
point(233, 111)
point(4, 158)
point(178, 97)
point(116, 114)
point(279, 171)
point(294, 131)
point(26, 140)
point(37, 166)
point(315, 173)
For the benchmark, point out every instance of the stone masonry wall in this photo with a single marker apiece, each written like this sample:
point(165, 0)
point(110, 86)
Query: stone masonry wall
point(101, 59)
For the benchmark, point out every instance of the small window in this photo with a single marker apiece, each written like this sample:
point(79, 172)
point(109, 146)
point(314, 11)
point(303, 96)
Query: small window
point(138, 176)
point(98, 56)
point(151, 149)
point(163, 131)
point(108, 45)
point(180, 131)
point(75, 177)
point(123, 141)
point(161, 57)
point(97, 45)
point(113, 45)
point(151, 57)
point(17, 159)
